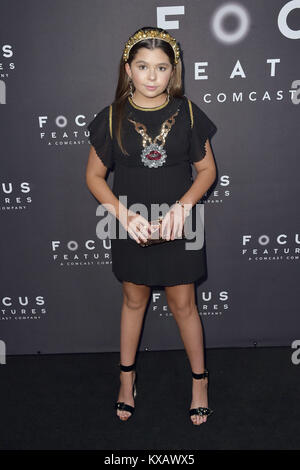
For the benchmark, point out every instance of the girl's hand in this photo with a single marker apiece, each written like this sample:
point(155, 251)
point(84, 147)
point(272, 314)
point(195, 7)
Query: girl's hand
point(173, 222)
point(136, 225)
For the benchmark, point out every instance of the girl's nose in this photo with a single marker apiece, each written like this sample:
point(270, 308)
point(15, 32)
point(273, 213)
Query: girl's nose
point(152, 73)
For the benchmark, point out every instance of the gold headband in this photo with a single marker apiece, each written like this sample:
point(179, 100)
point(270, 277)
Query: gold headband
point(152, 33)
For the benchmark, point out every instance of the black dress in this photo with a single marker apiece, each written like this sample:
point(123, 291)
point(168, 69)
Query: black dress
point(168, 263)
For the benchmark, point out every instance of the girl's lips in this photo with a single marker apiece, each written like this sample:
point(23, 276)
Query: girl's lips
point(151, 87)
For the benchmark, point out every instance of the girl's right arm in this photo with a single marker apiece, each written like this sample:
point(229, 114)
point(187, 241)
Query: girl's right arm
point(95, 180)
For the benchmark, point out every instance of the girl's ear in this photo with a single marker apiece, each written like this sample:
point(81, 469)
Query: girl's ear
point(127, 68)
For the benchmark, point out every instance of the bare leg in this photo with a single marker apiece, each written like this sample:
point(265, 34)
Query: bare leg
point(135, 299)
point(181, 301)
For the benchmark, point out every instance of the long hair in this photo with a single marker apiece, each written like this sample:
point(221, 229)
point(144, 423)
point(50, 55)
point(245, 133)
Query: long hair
point(123, 87)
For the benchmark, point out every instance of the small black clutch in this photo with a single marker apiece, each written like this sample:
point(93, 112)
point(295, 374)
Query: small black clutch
point(156, 234)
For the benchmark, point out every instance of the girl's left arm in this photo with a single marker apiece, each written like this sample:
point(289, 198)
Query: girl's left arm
point(206, 175)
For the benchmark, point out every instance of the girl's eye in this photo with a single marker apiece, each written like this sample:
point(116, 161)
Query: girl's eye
point(162, 67)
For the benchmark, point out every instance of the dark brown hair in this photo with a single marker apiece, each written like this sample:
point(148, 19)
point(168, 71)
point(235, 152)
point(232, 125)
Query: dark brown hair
point(123, 87)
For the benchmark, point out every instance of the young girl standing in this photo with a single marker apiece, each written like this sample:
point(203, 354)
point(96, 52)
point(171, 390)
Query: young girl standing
point(150, 136)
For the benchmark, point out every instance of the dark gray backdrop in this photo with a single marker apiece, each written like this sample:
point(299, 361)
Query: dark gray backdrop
point(59, 67)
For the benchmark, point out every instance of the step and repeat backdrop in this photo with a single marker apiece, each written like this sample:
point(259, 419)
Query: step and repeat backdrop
point(59, 67)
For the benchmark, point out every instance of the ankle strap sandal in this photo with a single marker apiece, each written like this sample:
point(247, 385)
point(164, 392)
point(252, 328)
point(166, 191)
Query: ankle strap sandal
point(202, 411)
point(127, 368)
point(120, 405)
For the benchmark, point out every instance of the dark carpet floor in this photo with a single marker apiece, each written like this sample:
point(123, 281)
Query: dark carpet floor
point(65, 401)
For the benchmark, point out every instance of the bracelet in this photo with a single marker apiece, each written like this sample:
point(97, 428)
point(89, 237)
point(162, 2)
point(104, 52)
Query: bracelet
point(186, 211)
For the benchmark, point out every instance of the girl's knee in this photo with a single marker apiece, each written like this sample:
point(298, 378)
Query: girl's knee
point(182, 309)
point(136, 296)
point(181, 299)
point(135, 303)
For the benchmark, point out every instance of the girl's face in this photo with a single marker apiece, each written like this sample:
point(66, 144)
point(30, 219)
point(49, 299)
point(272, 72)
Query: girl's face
point(150, 68)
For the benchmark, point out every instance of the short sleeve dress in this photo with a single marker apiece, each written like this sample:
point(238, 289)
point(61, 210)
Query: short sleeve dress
point(150, 178)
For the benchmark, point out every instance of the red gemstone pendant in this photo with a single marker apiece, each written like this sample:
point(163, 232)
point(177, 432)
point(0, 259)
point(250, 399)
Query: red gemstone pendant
point(153, 156)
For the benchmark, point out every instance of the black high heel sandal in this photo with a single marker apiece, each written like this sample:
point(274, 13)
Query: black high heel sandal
point(201, 411)
point(120, 405)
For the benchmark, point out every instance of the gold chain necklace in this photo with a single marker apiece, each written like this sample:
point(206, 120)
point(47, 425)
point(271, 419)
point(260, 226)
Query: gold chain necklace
point(154, 155)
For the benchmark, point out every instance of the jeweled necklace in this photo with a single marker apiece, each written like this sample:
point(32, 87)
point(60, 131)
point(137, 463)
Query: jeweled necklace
point(154, 155)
